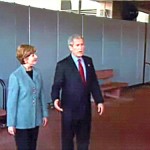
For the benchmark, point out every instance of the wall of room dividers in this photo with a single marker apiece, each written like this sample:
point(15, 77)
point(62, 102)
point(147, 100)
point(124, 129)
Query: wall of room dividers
point(116, 44)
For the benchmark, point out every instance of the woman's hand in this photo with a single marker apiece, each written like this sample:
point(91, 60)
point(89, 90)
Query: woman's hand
point(45, 121)
point(12, 130)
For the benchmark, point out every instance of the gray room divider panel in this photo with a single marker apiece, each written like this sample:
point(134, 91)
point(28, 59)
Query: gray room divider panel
point(93, 34)
point(43, 33)
point(112, 44)
point(132, 51)
point(7, 42)
point(22, 24)
point(1, 96)
point(140, 54)
point(69, 24)
point(10, 35)
point(147, 66)
point(116, 44)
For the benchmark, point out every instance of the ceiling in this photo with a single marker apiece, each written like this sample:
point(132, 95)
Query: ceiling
point(141, 5)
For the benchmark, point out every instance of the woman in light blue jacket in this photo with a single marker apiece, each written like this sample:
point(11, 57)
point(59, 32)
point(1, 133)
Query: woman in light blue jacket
point(26, 105)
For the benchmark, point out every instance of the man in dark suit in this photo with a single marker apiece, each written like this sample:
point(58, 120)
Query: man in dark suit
point(76, 80)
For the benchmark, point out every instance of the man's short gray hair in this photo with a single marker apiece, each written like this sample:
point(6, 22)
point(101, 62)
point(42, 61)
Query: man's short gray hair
point(72, 37)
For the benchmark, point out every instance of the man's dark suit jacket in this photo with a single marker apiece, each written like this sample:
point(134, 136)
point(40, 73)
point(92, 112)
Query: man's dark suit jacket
point(75, 96)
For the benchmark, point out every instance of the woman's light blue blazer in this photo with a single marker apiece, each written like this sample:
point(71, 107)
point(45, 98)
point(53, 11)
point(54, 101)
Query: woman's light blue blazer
point(26, 104)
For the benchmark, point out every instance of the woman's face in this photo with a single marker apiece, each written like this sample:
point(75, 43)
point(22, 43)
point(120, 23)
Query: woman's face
point(31, 60)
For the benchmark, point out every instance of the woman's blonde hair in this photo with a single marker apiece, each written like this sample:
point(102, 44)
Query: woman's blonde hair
point(23, 51)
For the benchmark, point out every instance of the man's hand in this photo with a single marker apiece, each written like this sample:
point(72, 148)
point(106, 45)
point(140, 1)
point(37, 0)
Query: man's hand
point(100, 108)
point(57, 105)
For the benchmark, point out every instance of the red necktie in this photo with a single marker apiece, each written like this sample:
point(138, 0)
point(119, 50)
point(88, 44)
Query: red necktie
point(81, 71)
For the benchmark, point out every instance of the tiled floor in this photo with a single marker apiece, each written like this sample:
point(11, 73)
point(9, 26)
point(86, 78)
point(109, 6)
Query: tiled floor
point(125, 125)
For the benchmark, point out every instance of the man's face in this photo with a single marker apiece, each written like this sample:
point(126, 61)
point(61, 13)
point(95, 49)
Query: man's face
point(77, 47)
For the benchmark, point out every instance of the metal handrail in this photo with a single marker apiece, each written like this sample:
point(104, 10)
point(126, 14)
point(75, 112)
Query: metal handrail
point(4, 93)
